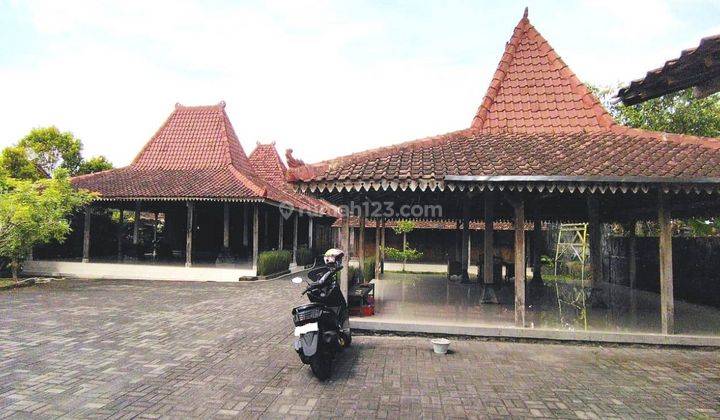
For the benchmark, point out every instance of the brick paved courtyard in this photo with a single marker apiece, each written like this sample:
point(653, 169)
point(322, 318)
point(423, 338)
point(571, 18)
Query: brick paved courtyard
point(160, 349)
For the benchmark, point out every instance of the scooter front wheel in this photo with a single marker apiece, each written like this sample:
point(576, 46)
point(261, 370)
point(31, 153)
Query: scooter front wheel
point(321, 366)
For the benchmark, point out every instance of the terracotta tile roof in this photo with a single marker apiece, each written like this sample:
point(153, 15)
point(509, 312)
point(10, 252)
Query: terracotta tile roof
point(193, 137)
point(131, 183)
point(697, 67)
point(537, 119)
point(267, 163)
point(477, 153)
point(534, 90)
point(195, 155)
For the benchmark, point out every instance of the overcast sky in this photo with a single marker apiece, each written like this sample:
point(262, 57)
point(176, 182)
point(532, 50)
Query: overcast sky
point(322, 77)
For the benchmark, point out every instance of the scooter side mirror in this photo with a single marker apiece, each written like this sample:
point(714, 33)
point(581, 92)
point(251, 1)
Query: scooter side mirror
point(297, 280)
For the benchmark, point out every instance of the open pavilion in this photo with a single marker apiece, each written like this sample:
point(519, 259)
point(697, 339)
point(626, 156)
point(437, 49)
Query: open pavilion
point(218, 207)
point(541, 148)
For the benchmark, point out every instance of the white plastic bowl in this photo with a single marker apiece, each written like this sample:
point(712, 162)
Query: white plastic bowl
point(440, 345)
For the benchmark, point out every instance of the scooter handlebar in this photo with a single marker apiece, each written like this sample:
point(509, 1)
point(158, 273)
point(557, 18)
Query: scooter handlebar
point(323, 281)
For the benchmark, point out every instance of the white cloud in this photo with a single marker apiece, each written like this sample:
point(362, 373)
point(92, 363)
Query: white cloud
point(111, 72)
point(298, 89)
point(633, 20)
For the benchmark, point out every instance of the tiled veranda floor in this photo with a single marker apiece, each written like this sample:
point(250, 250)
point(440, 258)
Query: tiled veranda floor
point(431, 298)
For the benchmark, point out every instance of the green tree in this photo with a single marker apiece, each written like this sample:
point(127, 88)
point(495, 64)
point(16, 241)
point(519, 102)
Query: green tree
point(678, 113)
point(407, 253)
point(94, 164)
point(32, 213)
point(17, 164)
point(4, 180)
point(51, 149)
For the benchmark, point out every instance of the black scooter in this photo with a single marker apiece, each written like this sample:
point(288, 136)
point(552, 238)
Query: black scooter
point(323, 326)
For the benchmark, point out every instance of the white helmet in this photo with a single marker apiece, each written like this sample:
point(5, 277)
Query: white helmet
point(334, 256)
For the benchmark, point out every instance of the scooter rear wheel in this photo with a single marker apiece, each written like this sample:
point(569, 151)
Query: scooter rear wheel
point(321, 366)
point(345, 340)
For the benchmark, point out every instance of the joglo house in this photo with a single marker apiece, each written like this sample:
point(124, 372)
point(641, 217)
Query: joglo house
point(540, 152)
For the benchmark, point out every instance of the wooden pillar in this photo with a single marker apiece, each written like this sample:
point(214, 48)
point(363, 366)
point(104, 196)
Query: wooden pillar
point(155, 228)
point(226, 225)
point(464, 248)
point(595, 239)
point(295, 239)
point(488, 293)
point(281, 230)
point(171, 222)
point(382, 247)
point(246, 228)
point(255, 236)
point(632, 256)
point(265, 228)
point(120, 235)
point(377, 248)
point(361, 246)
point(488, 239)
point(469, 249)
point(189, 233)
point(352, 249)
point(458, 240)
point(667, 303)
point(136, 224)
point(344, 277)
point(86, 235)
point(519, 263)
point(537, 253)
point(310, 232)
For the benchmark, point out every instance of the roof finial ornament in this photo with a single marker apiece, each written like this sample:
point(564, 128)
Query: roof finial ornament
point(292, 161)
point(525, 14)
point(222, 104)
point(177, 105)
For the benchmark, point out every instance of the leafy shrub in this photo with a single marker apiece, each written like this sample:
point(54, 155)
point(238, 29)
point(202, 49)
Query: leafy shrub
point(305, 256)
point(368, 271)
point(352, 273)
point(271, 262)
point(410, 254)
point(404, 226)
point(369, 268)
point(547, 261)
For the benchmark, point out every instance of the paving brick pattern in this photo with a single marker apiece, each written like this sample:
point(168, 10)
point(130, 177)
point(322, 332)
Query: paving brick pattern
point(112, 349)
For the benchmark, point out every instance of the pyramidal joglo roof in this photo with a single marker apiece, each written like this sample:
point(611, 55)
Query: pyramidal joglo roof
point(534, 90)
point(196, 155)
point(267, 163)
point(537, 119)
point(194, 137)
